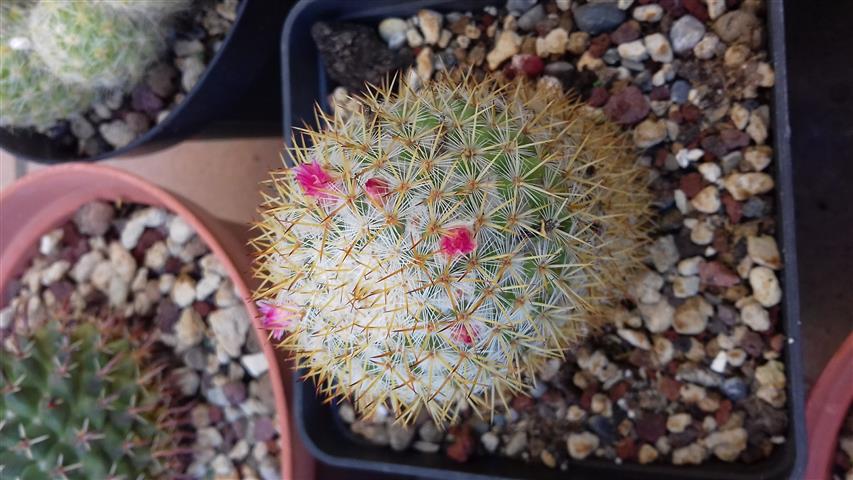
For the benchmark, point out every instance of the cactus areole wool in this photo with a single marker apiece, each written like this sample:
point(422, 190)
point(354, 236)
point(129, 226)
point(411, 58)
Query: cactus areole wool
point(433, 249)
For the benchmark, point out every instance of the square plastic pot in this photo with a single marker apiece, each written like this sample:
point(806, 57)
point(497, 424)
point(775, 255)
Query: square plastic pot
point(328, 438)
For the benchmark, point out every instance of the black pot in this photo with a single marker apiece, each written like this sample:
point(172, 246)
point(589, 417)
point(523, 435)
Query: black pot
point(304, 82)
point(221, 102)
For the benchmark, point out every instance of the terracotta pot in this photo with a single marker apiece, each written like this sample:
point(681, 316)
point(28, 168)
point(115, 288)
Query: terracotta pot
point(826, 409)
point(45, 200)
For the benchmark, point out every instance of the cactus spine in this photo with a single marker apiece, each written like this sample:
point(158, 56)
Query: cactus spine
point(80, 402)
point(435, 248)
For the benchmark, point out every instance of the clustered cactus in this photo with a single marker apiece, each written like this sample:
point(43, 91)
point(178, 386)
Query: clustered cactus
point(81, 401)
point(57, 55)
point(434, 249)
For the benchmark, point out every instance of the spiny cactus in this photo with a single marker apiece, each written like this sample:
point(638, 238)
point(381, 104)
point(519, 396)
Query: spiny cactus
point(29, 95)
point(93, 45)
point(160, 8)
point(82, 401)
point(436, 248)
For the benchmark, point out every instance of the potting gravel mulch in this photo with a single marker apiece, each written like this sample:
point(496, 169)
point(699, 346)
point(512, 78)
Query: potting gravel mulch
point(119, 118)
point(144, 265)
point(692, 369)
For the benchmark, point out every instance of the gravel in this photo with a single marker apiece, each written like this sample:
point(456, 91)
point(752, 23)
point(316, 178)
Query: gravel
point(691, 369)
point(86, 265)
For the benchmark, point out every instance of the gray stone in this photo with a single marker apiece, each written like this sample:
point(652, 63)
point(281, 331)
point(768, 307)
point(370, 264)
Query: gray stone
point(686, 32)
point(229, 326)
point(595, 18)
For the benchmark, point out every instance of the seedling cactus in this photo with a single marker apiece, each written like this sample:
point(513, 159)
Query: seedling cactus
point(82, 401)
point(94, 45)
point(434, 249)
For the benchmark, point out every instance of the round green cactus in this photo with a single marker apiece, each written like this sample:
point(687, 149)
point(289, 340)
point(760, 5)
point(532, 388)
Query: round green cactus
point(436, 248)
point(89, 44)
point(80, 403)
point(29, 95)
point(157, 8)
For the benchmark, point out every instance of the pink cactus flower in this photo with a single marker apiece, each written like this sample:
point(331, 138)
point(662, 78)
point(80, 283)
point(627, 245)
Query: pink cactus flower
point(276, 318)
point(376, 188)
point(458, 241)
point(313, 180)
point(460, 334)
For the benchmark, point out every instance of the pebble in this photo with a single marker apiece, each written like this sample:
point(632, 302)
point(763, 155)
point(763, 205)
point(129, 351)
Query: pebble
point(191, 69)
point(635, 338)
point(745, 185)
point(517, 442)
point(230, 325)
point(657, 317)
point(634, 51)
point(727, 445)
point(735, 388)
point(758, 157)
point(595, 18)
point(530, 18)
point(650, 132)
point(765, 286)
point(755, 317)
point(707, 200)
point(189, 329)
point(648, 13)
point(706, 49)
point(430, 23)
point(646, 287)
point(693, 454)
point(664, 254)
point(647, 454)
point(676, 423)
point(691, 317)
point(414, 38)
point(426, 447)
point(685, 287)
point(521, 6)
point(505, 47)
point(578, 43)
point(424, 64)
point(49, 242)
point(719, 363)
point(185, 48)
point(736, 26)
point(686, 156)
point(183, 291)
point(686, 32)
point(400, 437)
point(490, 441)
point(581, 445)
point(555, 43)
point(255, 364)
point(393, 31)
point(659, 48)
point(117, 133)
point(757, 128)
point(716, 8)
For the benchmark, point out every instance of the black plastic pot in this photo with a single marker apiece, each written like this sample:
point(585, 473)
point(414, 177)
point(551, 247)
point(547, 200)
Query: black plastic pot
point(304, 82)
point(238, 94)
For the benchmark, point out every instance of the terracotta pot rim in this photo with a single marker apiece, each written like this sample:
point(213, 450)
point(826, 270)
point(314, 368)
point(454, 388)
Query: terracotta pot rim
point(171, 202)
point(828, 403)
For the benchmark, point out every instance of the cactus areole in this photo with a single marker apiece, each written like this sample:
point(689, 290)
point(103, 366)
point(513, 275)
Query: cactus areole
point(434, 249)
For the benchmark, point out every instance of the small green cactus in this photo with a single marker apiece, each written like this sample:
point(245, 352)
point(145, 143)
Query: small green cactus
point(436, 248)
point(80, 402)
point(29, 95)
point(93, 45)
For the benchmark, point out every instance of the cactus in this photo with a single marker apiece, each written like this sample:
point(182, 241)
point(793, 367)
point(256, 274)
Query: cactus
point(161, 8)
point(93, 45)
point(29, 95)
point(434, 249)
point(82, 401)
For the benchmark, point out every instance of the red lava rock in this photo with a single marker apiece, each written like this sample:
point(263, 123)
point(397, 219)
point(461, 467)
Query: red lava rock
point(650, 427)
point(713, 145)
point(462, 446)
point(670, 388)
point(202, 308)
point(697, 9)
point(676, 116)
point(173, 265)
point(531, 65)
point(627, 107)
point(626, 449)
point(509, 71)
point(627, 32)
point(215, 414)
point(691, 113)
point(618, 391)
point(660, 157)
point(264, 429)
point(599, 45)
point(724, 412)
point(586, 398)
point(733, 208)
point(149, 237)
point(61, 291)
point(598, 97)
point(167, 315)
point(73, 252)
point(720, 242)
point(733, 139)
point(752, 344)
point(716, 274)
point(660, 93)
point(673, 7)
point(777, 343)
point(522, 403)
point(691, 184)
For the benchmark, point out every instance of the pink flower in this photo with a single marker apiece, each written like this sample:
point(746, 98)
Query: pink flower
point(458, 241)
point(313, 179)
point(276, 318)
point(376, 188)
point(460, 334)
